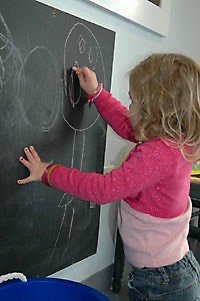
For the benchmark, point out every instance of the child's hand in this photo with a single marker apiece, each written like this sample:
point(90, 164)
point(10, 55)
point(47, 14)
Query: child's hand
point(87, 78)
point(34, 165)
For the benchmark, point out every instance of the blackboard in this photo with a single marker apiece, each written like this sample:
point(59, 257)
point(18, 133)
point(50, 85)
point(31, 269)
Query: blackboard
point(43, 230)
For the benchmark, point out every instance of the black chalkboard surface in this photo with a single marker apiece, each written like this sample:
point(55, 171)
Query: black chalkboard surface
point(43, 230)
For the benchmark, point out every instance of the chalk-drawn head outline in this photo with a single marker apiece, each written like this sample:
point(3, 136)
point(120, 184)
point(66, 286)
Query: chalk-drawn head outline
point(86, 52)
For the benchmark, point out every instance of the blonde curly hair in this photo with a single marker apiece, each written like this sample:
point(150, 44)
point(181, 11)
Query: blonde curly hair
point(165, 90)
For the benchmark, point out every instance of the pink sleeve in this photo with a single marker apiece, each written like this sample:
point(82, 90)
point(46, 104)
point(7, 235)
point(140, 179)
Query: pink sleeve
point(115, 114)
point(143, 168)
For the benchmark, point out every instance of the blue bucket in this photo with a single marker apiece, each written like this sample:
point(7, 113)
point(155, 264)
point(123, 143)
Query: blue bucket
point(48, 289)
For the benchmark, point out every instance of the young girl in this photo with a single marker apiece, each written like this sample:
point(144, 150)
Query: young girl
point(154, 180)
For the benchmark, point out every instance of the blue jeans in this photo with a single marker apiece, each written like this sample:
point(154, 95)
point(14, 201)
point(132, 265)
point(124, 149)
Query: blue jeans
point(175, 282)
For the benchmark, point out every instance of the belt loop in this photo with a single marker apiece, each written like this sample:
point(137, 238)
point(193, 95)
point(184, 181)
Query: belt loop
point(164, 275)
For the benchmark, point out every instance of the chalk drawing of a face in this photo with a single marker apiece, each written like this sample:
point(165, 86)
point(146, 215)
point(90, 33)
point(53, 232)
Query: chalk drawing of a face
point(81, 49)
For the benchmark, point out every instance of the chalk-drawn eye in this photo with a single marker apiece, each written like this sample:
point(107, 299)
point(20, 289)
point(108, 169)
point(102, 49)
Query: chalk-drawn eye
point(93, 56)
point(82, 44)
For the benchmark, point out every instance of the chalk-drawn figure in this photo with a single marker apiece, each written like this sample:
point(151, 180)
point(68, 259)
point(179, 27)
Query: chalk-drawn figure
point(86, 52)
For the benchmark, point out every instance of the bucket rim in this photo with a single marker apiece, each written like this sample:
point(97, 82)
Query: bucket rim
point(42, 280)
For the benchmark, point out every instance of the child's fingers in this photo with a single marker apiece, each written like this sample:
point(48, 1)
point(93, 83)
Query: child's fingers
point(34, 153)
point(87, 79)
point(24, 181)
point(24, 162)
point(82, 72)
point(31, 154)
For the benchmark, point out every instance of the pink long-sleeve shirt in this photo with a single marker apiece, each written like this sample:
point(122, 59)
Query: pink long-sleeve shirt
point(154, 178)
point(153, 184)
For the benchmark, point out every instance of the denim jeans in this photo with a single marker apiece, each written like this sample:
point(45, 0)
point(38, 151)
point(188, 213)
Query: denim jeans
point(175, 282)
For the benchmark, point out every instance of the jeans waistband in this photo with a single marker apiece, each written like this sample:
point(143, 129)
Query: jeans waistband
point(183, 266)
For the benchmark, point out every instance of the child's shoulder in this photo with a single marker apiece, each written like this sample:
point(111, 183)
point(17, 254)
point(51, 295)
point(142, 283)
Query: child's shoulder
point(160, 147)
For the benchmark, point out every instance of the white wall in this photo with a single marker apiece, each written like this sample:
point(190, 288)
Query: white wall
point(132, 44)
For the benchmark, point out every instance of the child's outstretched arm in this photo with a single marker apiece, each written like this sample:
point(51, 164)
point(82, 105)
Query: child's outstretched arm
point(127, 181)
point(34, 165)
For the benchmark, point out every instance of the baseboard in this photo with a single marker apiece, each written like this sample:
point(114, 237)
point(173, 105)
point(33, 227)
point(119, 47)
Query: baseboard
point(101, 280)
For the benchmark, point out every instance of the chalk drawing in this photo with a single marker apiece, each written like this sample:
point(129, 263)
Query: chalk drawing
point(9, 55)
point(86, 52)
